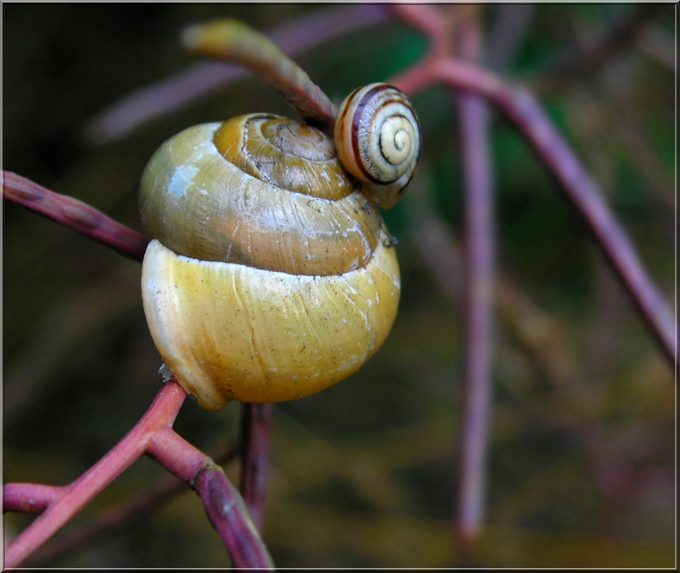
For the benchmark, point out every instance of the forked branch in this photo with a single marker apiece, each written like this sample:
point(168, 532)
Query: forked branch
point(533, 123)
point(152, 436)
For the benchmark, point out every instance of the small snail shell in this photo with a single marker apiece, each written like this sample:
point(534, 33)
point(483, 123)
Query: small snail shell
point(378, 139)
point(270, 275)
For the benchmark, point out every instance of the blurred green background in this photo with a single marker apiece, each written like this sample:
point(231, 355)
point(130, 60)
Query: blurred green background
point(582, 453)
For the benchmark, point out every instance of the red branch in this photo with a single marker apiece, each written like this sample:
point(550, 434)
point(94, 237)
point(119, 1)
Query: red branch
point(119, 517)
point(531, 120)
point(256, 421)
point(152, 436)
point(150, 103)
point(74, 214)
point(479, 295)
point(229, 516)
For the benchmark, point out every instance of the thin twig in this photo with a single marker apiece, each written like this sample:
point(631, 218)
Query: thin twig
point(121, 516)
point(522, 108)
point(585, 196)
point(29, 497)
point(428, 20)
point(256, 421)
point(153, 436)
point(197, 81)
point(539, 334)
point(479, 250)
point(79, 493)
point(234, 42)
point(75, 215)
point(223, 504)
point(229, 516)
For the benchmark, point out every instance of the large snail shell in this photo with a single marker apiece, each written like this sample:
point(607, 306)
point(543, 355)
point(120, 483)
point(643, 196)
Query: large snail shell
point(202, 205)
point(265, 336)
point(254, 292)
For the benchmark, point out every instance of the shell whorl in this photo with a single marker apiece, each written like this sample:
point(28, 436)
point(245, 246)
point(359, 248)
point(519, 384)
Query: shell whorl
point(377, 136)
point(271, 275)
point(260, 190)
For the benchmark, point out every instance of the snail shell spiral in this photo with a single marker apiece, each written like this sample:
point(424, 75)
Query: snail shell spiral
point(270, 275)
point(377, 135)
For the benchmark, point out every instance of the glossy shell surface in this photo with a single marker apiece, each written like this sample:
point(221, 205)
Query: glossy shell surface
point(377, 135)
point(202, 205)
point(233, 332)
point(271, 274)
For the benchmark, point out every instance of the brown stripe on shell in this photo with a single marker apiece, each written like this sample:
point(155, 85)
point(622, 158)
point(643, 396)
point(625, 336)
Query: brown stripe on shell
point(356, 122)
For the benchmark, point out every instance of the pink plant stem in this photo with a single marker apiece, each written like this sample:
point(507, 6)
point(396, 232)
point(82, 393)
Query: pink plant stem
point(74, 214)
point(520, 106)
point(479, 296)
point(229, 516)
point(429, 21)
point(121, 516)
point(29, 497)
point(256, 421)
point(163, 98)
point(152, 435)
point(176, 455)
point(230, 41)
point(75, 496)
point(223, 504)
point(105, 525)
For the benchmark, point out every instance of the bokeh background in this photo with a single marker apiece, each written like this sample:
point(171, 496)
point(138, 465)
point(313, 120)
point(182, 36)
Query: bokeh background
point(583, 433)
